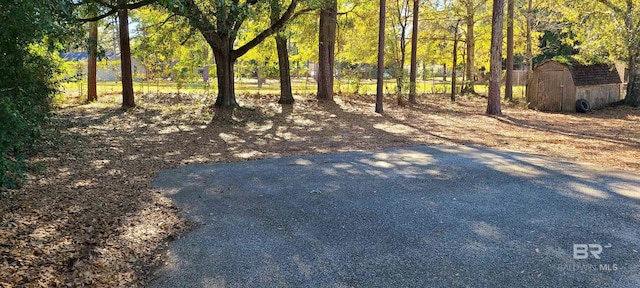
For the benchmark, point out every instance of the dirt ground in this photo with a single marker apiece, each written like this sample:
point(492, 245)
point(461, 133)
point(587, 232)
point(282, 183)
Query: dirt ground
point(88, 215)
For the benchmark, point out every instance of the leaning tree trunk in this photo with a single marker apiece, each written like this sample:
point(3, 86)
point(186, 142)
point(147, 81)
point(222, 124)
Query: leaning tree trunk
point(128, 98)
point(493, 105)
point(286, 96)
point(326, 54)
point(226, 86)
point(92, 93)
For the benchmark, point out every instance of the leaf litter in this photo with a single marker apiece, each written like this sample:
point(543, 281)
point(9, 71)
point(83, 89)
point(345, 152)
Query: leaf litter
point(88, 215)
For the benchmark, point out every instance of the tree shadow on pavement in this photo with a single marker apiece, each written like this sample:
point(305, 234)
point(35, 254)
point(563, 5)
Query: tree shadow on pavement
point(423, 216)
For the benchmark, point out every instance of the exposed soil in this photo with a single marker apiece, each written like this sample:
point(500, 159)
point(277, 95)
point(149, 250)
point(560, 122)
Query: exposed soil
point(88, 215)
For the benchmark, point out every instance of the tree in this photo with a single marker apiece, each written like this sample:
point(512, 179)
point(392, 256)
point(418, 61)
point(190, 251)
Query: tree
point(380, 76)
point(400, 24)
point(92, 53)
point(472, 11)
point(356, 45)
point(529, 32)
point(414, 53)
point(610, 30)
point(493, 105)
point(438, 19)
point(108, 8)
point(128, 98)
point(543, 18)
point(286, 96)
point(326, 50)
point(168, 47)
point(508, 90)
point(159, 41)
point(454, 77)
point(92, 93)
point(220, 23)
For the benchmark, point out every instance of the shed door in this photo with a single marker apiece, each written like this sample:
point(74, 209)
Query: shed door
point(550, 90)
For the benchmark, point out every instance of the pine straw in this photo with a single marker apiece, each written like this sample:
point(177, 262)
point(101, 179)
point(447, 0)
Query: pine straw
point(89, 215)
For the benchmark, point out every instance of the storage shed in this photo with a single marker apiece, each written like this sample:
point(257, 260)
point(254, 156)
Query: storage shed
point(556, 87)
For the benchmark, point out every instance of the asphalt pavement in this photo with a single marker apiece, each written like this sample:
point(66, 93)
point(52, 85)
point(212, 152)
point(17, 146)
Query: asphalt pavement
point(405, 217)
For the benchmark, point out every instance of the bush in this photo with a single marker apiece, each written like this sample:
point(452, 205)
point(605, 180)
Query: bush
point(28, 41)
point(24, 105)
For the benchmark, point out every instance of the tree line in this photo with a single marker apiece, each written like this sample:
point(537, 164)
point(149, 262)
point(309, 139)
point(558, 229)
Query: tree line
point(432, 32)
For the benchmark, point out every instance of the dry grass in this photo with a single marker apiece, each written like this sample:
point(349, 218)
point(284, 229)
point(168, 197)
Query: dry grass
point(90, 217)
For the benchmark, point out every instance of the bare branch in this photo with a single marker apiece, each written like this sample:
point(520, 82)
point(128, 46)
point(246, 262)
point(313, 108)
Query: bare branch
point(114, 10)
point(347, 12)
point(612, 6)
point(191, 34)
point(235, 54)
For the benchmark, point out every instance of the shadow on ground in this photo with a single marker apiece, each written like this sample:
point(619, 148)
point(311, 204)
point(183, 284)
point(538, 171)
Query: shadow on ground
point(89, 215)
point(404, 217)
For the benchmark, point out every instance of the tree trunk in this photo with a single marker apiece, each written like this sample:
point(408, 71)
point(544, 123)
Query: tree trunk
point(403, 52)
point(226, 85)
point(286, 96)
point(471, 50)
point(508, 89)
point(455, 63)
point(529, 52)
point(92, 93)
point(493, 105)
point(380, 84)
point(128, 98)
point(400, 68)
point(424, 70)
point(206, 68)
point(326, 53)
point(633, 85)
point(414, 53)
point(444, 72)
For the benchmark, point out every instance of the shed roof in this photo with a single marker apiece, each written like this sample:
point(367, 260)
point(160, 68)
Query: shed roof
point(597, 74)
point(585, 75)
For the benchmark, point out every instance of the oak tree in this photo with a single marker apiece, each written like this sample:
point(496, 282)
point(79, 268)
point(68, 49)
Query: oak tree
point(220, 23)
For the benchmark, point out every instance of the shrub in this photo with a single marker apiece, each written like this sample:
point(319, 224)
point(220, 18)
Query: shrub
point(28, 41)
